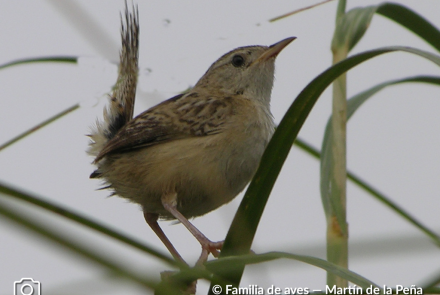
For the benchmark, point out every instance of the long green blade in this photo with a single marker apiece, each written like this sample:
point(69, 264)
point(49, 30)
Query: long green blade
point(9, 191)
point(62, 59)
point(229, 264)
point(39, 126)
point(91, 255)
point(412, 21)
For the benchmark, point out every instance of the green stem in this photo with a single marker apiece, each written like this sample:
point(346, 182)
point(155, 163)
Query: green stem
point(337, 230)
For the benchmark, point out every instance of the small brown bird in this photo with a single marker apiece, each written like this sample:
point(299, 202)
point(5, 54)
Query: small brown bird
point(191, 153)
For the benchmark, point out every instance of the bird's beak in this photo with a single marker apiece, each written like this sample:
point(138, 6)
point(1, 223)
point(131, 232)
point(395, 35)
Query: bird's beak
point(274, 49)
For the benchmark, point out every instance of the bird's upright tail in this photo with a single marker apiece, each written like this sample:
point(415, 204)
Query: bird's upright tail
point(121, 104)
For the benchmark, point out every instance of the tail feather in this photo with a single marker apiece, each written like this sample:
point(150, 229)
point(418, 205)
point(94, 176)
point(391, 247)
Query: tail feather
point(121, 105)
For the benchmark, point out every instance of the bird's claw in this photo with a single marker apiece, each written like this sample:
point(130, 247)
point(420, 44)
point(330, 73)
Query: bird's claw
point(209, 248)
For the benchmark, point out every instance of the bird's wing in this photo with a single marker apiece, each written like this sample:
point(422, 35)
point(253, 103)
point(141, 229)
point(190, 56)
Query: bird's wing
point(183, 116)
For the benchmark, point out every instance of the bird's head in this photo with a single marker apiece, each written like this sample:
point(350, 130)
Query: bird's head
point(247, 71)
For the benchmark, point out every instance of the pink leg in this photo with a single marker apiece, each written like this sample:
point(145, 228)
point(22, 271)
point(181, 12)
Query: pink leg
point(169, 203)
point(151, 219)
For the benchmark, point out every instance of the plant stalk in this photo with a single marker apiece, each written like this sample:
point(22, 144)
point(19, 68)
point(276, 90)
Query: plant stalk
point(337, 228)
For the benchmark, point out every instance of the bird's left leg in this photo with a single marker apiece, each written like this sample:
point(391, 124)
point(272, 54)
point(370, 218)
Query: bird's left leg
point(169, 202)
point(151, 220)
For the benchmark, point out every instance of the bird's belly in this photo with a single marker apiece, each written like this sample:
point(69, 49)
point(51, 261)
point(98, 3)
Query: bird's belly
point(204, 172)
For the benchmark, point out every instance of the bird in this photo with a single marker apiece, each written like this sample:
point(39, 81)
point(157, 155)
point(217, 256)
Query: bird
point(194, 152)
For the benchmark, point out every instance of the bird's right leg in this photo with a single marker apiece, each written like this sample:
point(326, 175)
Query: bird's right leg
point(151, 219)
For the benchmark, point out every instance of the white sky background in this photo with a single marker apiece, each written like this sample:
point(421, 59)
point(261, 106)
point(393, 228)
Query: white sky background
point(393, 140)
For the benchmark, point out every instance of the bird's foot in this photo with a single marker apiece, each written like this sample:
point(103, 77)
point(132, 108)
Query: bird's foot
point(209, 247)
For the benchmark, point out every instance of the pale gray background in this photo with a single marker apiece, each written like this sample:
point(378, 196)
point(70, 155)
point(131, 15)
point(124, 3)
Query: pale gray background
point(393, 140)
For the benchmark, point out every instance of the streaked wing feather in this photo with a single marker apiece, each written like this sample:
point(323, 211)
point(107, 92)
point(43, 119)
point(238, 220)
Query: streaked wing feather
point(185, 115)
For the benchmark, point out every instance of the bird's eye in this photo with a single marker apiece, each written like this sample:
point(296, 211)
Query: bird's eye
point(237, 61)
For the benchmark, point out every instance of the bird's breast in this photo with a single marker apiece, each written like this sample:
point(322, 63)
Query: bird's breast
point(244, 146)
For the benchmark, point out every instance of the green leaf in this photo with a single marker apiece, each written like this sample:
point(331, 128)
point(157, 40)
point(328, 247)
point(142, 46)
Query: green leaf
point(373, 191)
point(350, 27)
point(354, 29)
point(430, 285)
point(412, 21)
point(399, 210)
point(340, 10)
point(245, 223)
point(352, 105)
point(37, 127)
point(7, 190)
point(230, 264)
point(92, 255)
point(62, 59)
point(326, 158)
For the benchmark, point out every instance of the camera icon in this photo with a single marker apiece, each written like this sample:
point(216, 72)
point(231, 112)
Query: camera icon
point(27, 286)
